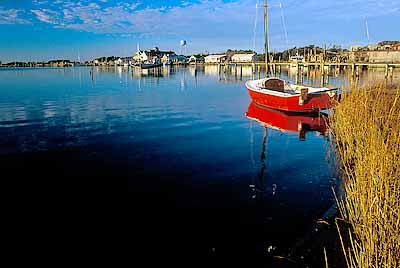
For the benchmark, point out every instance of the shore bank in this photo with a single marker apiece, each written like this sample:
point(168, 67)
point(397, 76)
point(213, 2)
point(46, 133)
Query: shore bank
point(366, 128)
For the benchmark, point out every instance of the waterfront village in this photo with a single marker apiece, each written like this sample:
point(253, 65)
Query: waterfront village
point(382, 52)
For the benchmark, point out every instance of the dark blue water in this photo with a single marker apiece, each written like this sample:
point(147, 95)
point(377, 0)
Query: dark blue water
point(172, 154)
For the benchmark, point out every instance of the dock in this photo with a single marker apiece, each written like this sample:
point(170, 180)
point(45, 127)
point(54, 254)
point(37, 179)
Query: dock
point(356, 67)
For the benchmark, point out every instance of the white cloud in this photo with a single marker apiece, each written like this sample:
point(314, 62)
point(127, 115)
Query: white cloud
point(12, 16)
point(221, 22)
point(203, 18)
point(38, 2)
point(47, 16)
point(123, 17)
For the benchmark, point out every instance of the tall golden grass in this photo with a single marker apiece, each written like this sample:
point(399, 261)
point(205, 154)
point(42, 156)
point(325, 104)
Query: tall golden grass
point(366, 129)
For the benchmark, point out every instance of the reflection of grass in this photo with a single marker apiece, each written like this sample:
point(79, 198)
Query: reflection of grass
point(366, 125)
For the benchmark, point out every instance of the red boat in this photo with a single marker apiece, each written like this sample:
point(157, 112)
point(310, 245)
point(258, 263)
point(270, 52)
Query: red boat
point(279, 94)
point(292, 122)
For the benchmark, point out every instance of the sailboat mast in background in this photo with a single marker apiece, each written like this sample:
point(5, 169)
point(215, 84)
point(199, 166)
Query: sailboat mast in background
point(266, 36)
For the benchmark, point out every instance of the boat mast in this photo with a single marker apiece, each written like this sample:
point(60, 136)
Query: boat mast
point(266, 37)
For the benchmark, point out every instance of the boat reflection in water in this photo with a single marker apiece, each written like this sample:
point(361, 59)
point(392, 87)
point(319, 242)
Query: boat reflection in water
point(290, 122)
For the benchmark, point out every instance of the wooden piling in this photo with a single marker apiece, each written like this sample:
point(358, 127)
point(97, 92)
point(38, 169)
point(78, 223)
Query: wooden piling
point(322, 69)
point(386, 70)
point(235, 70)
point(322, 80)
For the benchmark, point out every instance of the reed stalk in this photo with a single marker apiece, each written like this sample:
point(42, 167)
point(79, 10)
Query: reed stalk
point(366, 130)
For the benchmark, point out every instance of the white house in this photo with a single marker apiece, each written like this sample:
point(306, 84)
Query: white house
point(154, 55)
point(194, 59)
point(119, 61)
point(169, 58)
point(215, 58)
point(248, 57)
point(140, 56)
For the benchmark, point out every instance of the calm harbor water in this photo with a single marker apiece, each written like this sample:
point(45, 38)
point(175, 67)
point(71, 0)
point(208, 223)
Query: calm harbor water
point(198, 176)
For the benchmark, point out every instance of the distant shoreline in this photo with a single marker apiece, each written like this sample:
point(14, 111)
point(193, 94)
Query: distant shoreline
point(257, 63)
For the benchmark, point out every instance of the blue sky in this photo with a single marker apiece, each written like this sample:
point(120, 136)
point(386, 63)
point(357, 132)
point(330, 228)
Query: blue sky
point(44, 30)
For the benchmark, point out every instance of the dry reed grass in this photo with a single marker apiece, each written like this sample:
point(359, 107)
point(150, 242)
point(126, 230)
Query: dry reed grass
point(366, 128)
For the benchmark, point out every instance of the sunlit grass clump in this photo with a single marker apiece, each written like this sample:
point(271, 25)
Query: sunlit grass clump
point(366, 127)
